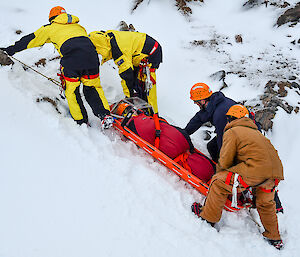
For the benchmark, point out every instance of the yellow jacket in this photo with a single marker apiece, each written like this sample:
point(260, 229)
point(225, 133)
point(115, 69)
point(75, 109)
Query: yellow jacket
point(125, 47)
point(69, 38)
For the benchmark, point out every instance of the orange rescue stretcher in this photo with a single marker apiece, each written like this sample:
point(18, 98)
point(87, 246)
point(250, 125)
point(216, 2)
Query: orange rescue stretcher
point(138, 106)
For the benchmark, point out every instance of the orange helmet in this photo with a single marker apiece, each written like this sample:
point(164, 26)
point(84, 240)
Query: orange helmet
point(200, 91)
point(57, 10)
point(238, 111)
point(122, 109)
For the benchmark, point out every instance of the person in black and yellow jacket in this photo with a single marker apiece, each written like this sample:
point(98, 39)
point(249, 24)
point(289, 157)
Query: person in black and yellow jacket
point(137, 55)
point(79, 63)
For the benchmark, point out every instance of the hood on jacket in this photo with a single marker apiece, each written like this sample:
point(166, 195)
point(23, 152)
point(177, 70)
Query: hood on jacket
point(102, 43)
point(215, 99)
point(243, 122)
point(65, 18)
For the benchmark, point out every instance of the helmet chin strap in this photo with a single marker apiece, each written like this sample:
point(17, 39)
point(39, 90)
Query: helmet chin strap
point(203, 106)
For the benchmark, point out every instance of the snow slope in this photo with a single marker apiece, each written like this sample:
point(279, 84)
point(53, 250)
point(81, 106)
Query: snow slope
point(73, 191)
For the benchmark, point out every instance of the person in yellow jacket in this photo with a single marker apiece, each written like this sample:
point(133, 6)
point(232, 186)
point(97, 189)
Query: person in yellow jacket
point(137, 55)
point(247, 158)
point(79, 63)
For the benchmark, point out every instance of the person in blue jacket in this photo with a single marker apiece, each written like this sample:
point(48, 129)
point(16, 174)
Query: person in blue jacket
point(213, 108)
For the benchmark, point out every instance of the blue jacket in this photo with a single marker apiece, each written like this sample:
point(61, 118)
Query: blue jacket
point(215, 112)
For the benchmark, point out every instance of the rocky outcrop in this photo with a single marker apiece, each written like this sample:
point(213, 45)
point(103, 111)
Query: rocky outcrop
point(255, 3)
point(273, 97)
point(124, 27)
point(219, 76)
point(291, 15)
point(266, 105)
point(182, 5)
point(184, 8)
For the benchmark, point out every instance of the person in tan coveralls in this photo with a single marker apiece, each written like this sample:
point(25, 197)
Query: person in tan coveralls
point(249, 154)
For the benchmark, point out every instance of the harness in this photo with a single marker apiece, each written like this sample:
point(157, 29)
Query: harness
point(64, 78)
point(238, 181)
point(145, 69)
point(157, 129)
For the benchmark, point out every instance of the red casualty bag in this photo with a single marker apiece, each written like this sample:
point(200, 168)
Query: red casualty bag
point(198, 164)
point(172, 142)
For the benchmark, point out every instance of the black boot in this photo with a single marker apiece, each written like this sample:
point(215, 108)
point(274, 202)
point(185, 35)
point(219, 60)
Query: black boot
point(278, 244)
point(197, 209)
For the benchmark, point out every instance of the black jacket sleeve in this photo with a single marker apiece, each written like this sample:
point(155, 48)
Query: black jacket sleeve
point(197, 121)
point(20, 45)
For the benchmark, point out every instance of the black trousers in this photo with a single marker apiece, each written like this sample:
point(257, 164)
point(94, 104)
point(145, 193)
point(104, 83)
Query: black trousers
point(212, 147)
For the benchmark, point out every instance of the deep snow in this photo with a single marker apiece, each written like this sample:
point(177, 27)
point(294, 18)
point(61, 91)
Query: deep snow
point(67, 190)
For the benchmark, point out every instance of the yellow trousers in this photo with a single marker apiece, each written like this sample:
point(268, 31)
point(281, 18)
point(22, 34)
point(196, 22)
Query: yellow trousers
point(93, 93)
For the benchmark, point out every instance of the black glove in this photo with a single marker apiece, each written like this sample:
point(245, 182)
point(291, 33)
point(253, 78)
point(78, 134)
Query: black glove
point(196, 208)
point(9, 50)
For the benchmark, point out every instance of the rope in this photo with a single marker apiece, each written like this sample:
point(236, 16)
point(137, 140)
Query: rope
point(54, 81)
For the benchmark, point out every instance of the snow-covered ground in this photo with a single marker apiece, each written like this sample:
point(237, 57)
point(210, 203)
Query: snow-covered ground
point(68, 191)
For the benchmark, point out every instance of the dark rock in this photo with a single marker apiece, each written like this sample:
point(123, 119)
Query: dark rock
point(49, 100)
point(295, 85)
point(271, 100)
point(238, 39)
point(205, 43)
point(219, 75)
point(264, 117)
point(18, 31)
point(123, 26)
point(183, 8)
point(224, 85)
point(131, 27)
point(255, 3)
point(4, 59)
point(282, 92)
point(252, 3)
point(180, 4)
point(285, 5)
point(55, 58)
point(136, 4)
point(292, 77)
point(41, 62)
point(291, 15)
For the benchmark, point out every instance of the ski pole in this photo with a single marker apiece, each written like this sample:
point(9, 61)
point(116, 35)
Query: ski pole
point(54, 81)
